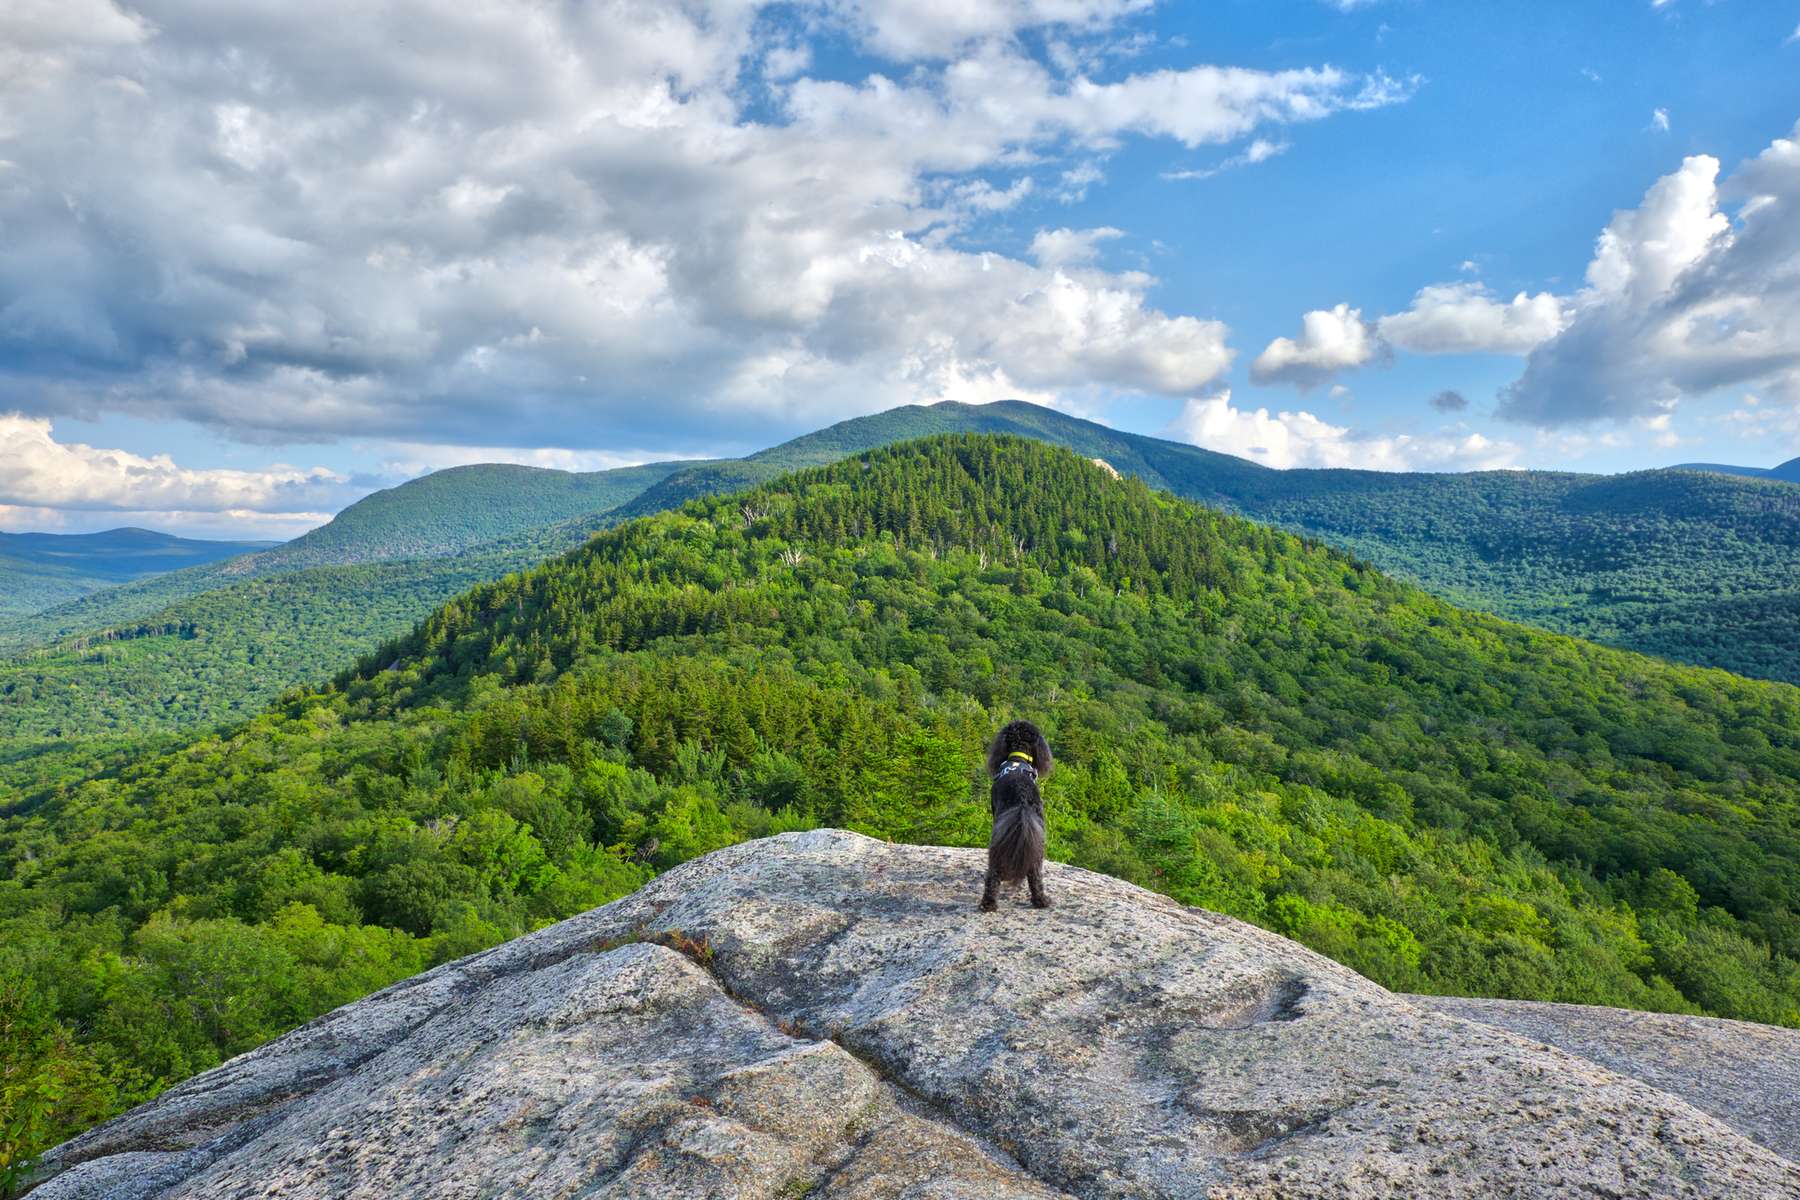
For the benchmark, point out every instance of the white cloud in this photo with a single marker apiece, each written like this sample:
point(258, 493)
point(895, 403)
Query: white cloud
point(1641, 253)
point(565, 222)
point(1464, 318)
point(406, 459)
point(786, 61)
point(1680, 299)
point(1065, 247)
point(1331, 340)
point(1300, 439)
point(924, 29)
point(1659, 120)
point(37, 471)
point(232, 524)
point(996, 99)
point(57, 27)
point(1775, 418)
point(1258, 151)
point(980, 196)
point(1076, 181)
point(1662, 425)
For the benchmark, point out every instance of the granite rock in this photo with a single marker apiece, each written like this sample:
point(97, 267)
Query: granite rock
point(825, 1015)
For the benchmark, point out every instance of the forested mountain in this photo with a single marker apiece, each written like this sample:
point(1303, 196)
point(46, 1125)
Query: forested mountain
point(454, 509)
point(1243, 719)
point(38, 570)
point(1192, 471)
point(1696, 567)
point(1788, 471)
point(1700, 568)
point(435, 515)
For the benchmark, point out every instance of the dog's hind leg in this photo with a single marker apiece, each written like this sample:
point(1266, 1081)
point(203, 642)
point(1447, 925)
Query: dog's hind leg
point(1036, 879)
point(990, 891)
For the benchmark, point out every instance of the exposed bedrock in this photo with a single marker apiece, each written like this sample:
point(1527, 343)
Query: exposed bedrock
point(825, 1015)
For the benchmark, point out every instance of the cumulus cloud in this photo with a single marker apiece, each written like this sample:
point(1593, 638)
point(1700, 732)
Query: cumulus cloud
point(1444, 318)
point(1300, 439)
point(37, 471)
point(582, 225)
point(1642, 251)
point(1464, 318)
point(1448, 401)
point(1331, 340)
point(1062, 247)
point(1681, 299)
point(1659, 120)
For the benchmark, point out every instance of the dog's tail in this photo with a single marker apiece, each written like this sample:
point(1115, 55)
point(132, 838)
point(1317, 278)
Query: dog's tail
point(1017, 847)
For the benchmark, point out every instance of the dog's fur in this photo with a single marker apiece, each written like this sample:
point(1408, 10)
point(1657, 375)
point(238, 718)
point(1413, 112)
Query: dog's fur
point(1016, 848)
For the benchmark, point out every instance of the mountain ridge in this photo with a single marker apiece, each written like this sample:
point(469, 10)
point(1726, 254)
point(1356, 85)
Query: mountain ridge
point(1693, 567)
point(463, 507)
point(433, 516)
point(1787, 472)
point(41, 570)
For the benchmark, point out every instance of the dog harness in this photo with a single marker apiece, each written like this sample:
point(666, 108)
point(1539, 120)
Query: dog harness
point(1018, 760)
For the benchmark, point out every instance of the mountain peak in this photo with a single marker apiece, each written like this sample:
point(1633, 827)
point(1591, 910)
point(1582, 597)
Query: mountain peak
point(822, 1014)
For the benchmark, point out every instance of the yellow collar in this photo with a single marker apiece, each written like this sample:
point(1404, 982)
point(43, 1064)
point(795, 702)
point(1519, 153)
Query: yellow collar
point(1020, 754)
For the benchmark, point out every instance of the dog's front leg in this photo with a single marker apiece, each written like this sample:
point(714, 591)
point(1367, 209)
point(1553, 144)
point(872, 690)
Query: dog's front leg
point(1036, 879)
point(990, 891)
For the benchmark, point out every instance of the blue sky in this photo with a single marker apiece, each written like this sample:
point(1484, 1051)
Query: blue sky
point(259, 260)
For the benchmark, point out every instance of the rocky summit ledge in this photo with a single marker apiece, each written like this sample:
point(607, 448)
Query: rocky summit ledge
point(824, 1015)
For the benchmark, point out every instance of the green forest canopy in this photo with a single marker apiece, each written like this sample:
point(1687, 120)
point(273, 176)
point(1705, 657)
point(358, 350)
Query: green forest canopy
point(1243, 719)
point(1698, 568)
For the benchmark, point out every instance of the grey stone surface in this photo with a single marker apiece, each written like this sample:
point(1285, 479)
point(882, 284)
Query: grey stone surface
point(1746, 1075)
point(856, 1029)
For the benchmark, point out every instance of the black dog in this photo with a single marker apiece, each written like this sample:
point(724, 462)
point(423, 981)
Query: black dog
point(1018, 759)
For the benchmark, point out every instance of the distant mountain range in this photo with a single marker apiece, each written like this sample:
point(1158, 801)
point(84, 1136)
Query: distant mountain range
point(1787, 472)
point(38, 570)
point(1698, 567)
point(453, 509)
point(433, 517)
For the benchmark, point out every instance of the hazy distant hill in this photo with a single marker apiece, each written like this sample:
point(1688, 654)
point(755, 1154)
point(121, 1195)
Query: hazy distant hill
point(454, 509)
point(38, 570)
point(435, 515)
point(1787, 472)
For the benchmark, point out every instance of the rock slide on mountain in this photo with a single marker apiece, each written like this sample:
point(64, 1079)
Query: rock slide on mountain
point(825, 1015)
